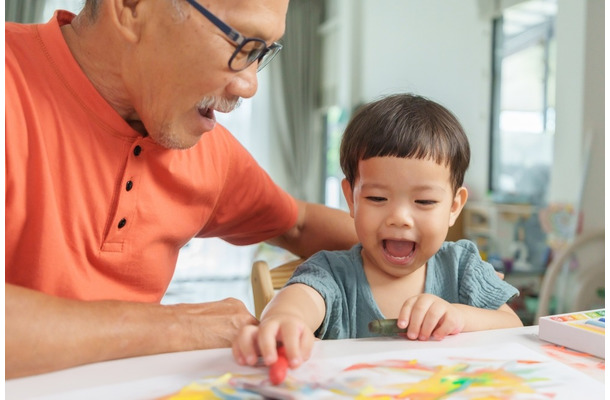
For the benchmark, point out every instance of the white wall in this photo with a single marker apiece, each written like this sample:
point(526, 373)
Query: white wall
point(442, 49)
point(580, 142)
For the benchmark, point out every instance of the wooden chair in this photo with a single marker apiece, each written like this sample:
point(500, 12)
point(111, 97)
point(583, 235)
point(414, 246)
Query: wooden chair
point(580, 292)
point(266, 281)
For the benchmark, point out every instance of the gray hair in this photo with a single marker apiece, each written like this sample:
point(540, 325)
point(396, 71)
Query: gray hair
point(92, 8)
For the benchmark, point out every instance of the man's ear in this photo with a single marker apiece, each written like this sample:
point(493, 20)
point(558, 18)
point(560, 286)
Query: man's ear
point(349, 196)
point(459, 200)
point(129, 17)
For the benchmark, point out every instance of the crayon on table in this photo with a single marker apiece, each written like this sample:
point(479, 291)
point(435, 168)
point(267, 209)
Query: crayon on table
point(386, 327)
point(277, 370)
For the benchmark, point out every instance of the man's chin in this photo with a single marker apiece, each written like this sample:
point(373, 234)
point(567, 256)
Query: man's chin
point(174, 143)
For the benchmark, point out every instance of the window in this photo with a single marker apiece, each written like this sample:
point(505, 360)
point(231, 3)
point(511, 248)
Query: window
point(51, 5)
point(523, 102)
point(335, 121)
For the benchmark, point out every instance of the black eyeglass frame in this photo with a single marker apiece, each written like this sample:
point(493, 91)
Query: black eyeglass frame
point(266, 52)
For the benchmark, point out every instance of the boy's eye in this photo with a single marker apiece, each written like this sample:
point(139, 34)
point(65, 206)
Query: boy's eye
point(376, 199)
point(426, 202)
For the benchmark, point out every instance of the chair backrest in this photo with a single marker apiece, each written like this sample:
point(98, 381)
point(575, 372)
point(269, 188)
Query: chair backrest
point(587, 253)
point(266, 281)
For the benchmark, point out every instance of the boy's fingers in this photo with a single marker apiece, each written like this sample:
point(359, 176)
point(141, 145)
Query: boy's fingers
point(429, 323)
point(405, 313)
point(237, 355)
point(291, 336)
point(307, 341)
point(268, 341)
point(442, 330)
point(418, 313)
point(244, 348)
point(435, 314)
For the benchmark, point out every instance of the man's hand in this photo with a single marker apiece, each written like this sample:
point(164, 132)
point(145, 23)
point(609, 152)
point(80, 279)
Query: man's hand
point(46, 333)
point(210, 325)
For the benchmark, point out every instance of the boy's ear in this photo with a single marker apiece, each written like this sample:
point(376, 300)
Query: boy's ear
point(459, 200)
point(349, 196)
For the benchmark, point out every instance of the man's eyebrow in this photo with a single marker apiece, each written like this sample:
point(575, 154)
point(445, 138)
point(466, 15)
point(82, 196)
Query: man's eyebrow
point(254, 30)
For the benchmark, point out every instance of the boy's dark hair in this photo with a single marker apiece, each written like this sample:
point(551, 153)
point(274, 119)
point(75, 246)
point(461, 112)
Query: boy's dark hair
point(406, 126)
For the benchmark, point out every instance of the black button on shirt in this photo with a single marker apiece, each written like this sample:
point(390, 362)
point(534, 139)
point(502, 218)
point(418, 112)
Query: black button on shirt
point(137, 150)
point(128, 185)
point(122, 223)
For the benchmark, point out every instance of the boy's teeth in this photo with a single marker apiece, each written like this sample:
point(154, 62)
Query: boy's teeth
point(399, 248)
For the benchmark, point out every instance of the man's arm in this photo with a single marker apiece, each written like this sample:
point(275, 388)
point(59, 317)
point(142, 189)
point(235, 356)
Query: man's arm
point(318, 228)
point(46, 333)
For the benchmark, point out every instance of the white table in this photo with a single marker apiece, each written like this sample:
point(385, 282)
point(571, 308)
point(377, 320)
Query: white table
point(154, 376)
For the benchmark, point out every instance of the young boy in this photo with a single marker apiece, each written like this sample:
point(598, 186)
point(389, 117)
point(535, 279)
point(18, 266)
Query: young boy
point(404, 158)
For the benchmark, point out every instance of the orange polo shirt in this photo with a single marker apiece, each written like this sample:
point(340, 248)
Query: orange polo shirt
point(93, 209)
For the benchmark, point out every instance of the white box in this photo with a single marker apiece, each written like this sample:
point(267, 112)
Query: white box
point(582, 331)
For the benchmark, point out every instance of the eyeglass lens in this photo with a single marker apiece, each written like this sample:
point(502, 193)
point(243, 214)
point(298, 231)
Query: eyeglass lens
point(248, 52)
point(270, 52)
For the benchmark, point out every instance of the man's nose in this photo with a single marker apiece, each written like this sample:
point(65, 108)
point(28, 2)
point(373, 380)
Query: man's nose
point(244, 83)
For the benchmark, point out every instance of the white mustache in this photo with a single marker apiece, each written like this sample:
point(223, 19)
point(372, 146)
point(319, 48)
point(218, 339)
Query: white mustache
point(219, 104)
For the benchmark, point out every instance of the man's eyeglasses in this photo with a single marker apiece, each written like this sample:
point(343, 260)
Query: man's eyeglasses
point(248, 50)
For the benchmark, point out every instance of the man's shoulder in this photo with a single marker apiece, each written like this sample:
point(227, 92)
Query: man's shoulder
point(17, 39)
point(13, 30)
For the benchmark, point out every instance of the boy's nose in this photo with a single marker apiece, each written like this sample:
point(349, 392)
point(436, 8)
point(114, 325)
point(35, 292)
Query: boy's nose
point(401, 217)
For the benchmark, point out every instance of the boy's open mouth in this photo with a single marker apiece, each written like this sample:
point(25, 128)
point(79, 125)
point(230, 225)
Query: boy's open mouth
point(398, 249)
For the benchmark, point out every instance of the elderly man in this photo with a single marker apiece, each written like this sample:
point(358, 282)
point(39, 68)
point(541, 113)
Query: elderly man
point(114, 161)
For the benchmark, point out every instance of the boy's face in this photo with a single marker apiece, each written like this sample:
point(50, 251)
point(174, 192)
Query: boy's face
point(402, 209)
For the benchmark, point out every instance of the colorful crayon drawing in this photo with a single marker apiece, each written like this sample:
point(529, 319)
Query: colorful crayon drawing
point(576, 359)
point(411, 375)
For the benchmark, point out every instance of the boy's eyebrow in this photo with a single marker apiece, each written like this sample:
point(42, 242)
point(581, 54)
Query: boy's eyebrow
point(373, 185)
point(428, 186)
point(419, 188)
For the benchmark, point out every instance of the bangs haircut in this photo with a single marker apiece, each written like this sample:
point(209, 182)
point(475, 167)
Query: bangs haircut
point(405, 126)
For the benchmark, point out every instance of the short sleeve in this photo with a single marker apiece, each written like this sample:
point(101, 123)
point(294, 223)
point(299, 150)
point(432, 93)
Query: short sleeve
point(339, 278)
point(251, 208)
point(479, 285)
point(315, 273)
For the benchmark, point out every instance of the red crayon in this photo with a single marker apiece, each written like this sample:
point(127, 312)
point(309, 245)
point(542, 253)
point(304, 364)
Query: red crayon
point(277, 371)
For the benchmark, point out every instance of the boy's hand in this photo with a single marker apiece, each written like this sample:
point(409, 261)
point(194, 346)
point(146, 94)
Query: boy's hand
point(427, 315)
point(262, 340)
